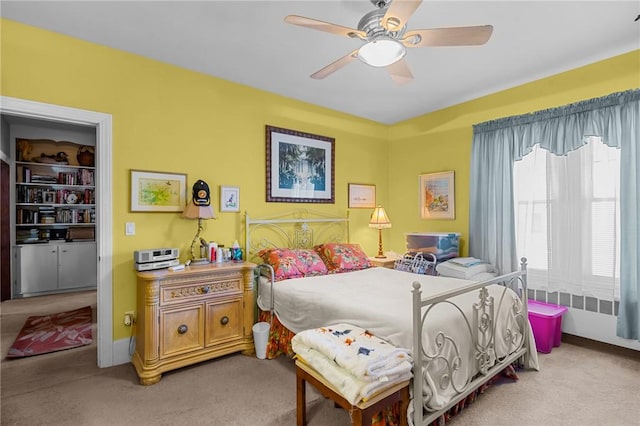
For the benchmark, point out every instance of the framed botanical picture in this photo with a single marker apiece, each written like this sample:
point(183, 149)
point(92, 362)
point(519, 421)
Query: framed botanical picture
point(158, 191)
point(362, 196)
point(437, 197)
point(229, 199)
point(300, 167)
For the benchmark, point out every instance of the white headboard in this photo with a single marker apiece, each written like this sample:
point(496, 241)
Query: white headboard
point(295, 229)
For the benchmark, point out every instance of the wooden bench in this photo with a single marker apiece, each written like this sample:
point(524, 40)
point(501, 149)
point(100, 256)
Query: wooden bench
point(360, 413)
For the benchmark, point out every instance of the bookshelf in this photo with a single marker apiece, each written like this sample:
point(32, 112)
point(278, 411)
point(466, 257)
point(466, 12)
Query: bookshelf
point(55, 217)
point(53, 196)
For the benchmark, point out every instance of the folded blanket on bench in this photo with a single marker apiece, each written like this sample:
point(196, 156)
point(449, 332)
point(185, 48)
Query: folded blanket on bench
point(356, 350)
point(354, 361)
point(353, 389)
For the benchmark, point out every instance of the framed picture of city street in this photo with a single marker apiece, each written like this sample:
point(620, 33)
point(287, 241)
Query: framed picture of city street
point(300, 167)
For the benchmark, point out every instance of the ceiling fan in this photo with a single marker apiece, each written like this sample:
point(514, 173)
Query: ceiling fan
point(386, 38)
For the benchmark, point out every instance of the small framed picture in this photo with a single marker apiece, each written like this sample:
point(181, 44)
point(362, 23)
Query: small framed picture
point(48, 197)
point(229, 199)
point(437, 197)
point(362, 196)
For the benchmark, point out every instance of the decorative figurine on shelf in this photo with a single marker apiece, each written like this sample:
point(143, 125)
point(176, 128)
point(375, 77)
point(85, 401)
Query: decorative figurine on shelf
point(24, 150)
point(59, 158)
point(86, 156)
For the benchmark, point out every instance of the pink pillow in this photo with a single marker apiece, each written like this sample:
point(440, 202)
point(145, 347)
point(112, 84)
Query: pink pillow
point(283, 261)
point(310, 263)
point(343, 257)
point(293, 263)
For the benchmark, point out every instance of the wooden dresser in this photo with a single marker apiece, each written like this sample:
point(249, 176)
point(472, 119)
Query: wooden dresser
point(192, 315)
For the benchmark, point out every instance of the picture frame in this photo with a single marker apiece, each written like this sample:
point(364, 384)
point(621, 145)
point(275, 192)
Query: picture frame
point(300, 167)
point(159, 192)
point(229, 199)
point(437, 195)
point(362, 196)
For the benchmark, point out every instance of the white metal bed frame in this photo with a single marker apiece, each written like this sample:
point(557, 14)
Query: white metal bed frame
point(296, 230)
point(482, 329)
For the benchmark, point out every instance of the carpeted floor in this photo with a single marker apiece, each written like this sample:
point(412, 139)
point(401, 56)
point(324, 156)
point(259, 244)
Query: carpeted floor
point(576, 386)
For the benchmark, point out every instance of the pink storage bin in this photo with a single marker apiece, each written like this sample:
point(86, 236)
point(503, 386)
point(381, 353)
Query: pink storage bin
point(546, 322)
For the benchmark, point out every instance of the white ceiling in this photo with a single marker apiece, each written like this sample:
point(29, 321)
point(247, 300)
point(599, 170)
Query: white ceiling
point(249, 43)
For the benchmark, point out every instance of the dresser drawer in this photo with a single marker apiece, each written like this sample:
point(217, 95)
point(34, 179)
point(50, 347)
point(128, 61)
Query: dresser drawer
point(181, 330)
point(224, 321)
point(197, 288)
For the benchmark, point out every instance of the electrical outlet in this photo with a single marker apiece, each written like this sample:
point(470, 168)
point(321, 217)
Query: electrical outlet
point(129, 318)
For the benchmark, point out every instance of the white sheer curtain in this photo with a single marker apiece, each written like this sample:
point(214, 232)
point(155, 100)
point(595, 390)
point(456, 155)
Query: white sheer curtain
point(567, 219)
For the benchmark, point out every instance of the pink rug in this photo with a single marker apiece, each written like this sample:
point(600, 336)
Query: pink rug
point(55, 332)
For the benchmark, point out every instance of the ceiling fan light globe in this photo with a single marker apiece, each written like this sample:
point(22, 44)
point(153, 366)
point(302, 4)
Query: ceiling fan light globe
point(381, 53)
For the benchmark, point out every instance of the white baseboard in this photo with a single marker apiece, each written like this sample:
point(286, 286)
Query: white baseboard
point(121, 351)
point(595, 326)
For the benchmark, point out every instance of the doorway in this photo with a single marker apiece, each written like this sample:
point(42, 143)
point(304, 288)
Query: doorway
point(103, 125)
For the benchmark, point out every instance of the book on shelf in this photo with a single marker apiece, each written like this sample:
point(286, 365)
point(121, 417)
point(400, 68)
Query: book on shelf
point(43, 179)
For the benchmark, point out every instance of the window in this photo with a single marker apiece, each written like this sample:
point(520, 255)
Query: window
point(567, 219)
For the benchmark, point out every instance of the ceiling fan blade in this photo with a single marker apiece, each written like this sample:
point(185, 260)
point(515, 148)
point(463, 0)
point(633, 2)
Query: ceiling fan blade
point(400, 72)
point(335, 65)
point(455, 36)
point(399, 13)
point(327, 27)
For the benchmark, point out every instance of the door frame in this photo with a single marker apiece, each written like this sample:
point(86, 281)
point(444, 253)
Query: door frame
point(104, 219)
point(5, 230)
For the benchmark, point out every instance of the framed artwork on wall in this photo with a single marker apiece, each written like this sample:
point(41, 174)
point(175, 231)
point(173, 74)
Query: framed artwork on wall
point(437, 196)
point(362, 196)
point(158, 191)
point(229, 199)
point(300, 167)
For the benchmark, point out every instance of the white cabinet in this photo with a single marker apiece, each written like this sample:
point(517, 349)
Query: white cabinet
point(77, 266)
point(53, 268)
point(37, 268)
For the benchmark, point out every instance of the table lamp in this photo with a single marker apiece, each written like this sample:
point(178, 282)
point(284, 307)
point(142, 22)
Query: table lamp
point(199, 208)
point(380, 220)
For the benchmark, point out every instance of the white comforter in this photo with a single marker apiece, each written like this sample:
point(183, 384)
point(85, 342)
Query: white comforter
point(380, 300)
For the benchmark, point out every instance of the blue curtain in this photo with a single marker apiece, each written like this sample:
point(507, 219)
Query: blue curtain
point(499, 143)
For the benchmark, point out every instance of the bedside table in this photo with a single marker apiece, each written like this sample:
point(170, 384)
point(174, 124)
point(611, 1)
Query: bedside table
point(386, 262)
point(193, 315)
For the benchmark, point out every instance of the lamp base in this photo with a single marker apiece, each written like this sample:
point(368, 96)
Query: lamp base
point(200, 261)
point(380, 256)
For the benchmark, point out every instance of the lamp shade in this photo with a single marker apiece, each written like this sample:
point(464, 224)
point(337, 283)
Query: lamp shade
point(379, 218)
point(198, 212)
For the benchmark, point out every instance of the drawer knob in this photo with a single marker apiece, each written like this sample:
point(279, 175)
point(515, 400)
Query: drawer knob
point(224, 320)
point(182, 329)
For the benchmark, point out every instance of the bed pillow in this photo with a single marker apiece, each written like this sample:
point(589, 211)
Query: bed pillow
point(310, 263)
point(293, 263)
point(343, 257)
point(283, 261)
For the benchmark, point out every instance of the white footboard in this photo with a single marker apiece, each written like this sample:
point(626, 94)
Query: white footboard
point(498, 339)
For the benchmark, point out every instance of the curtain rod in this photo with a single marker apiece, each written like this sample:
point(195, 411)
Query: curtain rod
point(610, 100)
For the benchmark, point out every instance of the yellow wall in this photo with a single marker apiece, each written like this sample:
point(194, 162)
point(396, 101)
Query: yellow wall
point(441, 140)
point(169, 119)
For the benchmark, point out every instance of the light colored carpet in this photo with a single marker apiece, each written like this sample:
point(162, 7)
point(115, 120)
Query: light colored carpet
point(576, 386)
